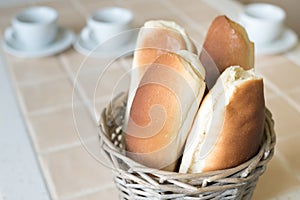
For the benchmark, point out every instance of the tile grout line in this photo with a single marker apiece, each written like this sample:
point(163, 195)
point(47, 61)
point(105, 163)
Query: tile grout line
point(85, 101)
point(270, 97)
point(283, 138)
point(183, 16)
point(225, 6)
point(78, 88)
point(52, 109)
point(293, 55)
point(65, 146)
point(283, 95)
point(48, 110)
point(47, 177)
point(287, 166)
point(89, 104)
point(44, 80)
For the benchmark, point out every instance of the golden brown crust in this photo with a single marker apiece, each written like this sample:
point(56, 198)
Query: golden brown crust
point(154, 139)
point(149, 95)
point(227, 44)
point(242, 130)
point(155, 38)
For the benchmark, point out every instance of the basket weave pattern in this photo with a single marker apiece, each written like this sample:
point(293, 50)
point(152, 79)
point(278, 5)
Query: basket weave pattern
point(135, 181)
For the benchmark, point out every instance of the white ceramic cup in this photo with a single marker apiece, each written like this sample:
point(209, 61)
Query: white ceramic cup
point(264, 22)
point(35, 27)
point(108, 23)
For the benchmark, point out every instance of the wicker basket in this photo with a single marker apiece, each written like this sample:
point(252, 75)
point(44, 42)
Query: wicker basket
point(135, 181)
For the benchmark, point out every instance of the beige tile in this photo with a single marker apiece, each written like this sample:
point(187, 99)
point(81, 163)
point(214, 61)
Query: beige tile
point(203, 15)
point(295, 96)
point(79, 63)
point(187, 5)
point(109, 193)
point(87, 126)
point(269, 93)
point(146, 10)
point(173, 16)
point(72, 19)
point(268, 60)
point(73, 59)
point(113, 82)
point(276, 181)
point(8, 12)
point(59, 128)
point(11, 59)
point(285, 75)
point(290, 149)
point(30, 70)
point(46, 94)
point(90, 6)
point(293, 54)
point(60, 6)
point(269, 90)
point(286, 117)
point(99, 83)
point(74, 171)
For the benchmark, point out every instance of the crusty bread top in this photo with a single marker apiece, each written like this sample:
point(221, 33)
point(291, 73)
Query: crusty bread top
point(229, 125)
point(227, 44)
point(157, 37)
point(173, 27)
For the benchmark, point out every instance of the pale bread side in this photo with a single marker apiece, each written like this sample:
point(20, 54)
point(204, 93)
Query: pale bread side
point(228, 128)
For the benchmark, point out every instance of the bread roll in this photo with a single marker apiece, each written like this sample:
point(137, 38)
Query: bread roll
point(155, 38)
point(226, 44)
point(163, 109)
point(228, 128)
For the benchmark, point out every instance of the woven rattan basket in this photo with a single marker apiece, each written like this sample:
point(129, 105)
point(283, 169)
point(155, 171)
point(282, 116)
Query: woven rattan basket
point(135, 181)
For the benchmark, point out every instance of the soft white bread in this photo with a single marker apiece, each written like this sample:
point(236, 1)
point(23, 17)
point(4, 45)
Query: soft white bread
point(163, 109)
point(228, 128)
point(155, 38)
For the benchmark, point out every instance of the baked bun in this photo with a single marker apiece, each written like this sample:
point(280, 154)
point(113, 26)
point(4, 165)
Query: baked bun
point(226, 44)
point(228, 128)
point(155, 38)
point(163, 109)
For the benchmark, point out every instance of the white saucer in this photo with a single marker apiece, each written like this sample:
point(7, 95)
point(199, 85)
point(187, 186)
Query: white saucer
point(287, 41)
point(63, 40)
point(87, 46)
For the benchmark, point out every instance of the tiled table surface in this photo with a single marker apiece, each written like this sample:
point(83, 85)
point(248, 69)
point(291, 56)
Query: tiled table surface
point(44, 88)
